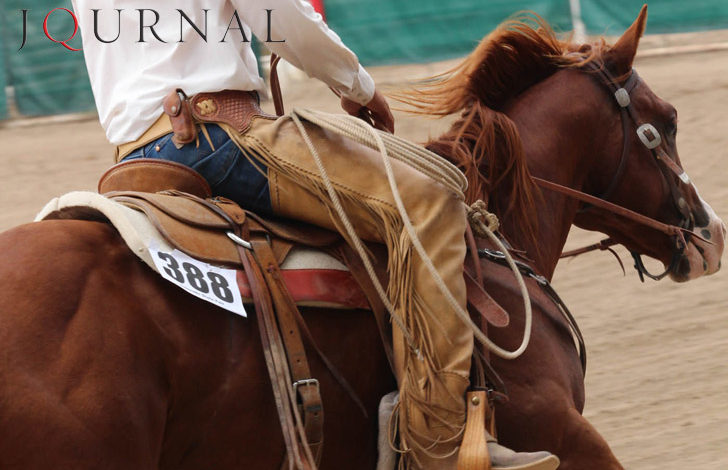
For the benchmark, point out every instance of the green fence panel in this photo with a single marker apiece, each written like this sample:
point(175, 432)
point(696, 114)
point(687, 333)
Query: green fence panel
point(387, 31)
point(47, 78)
point(663, 16)
point(3, 84)
point(3, 68)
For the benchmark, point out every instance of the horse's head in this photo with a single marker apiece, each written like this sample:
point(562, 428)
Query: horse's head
point(531, 104)
point(642, 171)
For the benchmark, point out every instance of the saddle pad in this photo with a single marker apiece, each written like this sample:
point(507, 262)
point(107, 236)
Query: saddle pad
point(314, 278)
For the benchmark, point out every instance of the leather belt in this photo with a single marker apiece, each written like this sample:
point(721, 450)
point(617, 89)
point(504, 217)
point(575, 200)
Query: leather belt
point(182, 114)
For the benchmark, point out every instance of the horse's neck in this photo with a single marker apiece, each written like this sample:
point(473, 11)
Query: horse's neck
point(555, 216)
point(558, 148)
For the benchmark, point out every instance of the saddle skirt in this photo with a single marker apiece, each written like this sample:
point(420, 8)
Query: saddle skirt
point(313, 277)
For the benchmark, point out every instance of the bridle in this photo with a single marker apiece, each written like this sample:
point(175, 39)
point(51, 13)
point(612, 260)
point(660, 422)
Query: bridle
point(652, 140)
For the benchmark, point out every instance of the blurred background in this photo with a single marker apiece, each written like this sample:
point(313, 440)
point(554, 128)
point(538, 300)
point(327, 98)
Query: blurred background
point(45, 79)
point(657, 385)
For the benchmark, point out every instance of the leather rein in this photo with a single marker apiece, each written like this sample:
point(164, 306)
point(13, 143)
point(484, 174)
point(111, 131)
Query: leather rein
point(651, 139)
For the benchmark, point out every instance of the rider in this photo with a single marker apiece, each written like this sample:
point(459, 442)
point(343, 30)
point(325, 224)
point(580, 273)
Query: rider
point(268, 168)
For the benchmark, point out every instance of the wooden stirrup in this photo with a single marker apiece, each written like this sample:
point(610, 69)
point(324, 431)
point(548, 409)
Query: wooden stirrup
point(474, 449)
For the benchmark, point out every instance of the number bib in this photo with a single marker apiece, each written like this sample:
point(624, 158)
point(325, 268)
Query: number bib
point(215, 285)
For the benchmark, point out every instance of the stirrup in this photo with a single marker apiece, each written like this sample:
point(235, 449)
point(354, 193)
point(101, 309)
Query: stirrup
point(473, 453)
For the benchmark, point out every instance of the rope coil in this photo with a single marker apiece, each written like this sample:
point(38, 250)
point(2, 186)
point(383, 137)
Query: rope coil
point(481, 220)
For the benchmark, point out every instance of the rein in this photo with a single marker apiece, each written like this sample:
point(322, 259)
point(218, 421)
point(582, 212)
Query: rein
point(275, 85)
point(667, 229)
point(678, 233)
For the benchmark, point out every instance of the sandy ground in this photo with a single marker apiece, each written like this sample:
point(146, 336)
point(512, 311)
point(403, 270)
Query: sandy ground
point(657, 387)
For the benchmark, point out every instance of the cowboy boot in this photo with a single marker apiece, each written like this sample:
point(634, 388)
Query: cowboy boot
point(503, 458)
point(479, 447)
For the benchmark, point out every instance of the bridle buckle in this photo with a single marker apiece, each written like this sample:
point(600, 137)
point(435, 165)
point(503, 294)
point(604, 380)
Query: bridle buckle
point(304, 383)
point(649, 136)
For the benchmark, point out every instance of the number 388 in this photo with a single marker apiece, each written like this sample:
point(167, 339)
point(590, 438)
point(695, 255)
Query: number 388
point(197, 279)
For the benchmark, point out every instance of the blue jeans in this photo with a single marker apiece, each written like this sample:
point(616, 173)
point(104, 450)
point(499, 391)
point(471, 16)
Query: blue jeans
point(230, 172)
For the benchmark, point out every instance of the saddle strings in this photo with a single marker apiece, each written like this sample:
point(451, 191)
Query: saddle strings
point(436, 168)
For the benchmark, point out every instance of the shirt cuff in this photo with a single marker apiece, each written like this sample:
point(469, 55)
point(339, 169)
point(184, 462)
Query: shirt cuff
point(362, 90)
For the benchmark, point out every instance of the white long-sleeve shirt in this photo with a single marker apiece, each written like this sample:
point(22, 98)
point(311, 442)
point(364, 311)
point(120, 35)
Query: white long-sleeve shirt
point(130, 78)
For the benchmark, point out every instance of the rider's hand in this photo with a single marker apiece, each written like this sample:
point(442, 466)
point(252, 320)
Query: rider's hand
point(376, 112)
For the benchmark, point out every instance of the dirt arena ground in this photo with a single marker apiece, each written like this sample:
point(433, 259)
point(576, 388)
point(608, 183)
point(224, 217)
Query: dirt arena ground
point(657, 386)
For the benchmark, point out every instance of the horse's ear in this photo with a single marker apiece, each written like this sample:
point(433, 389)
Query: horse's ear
point(621, 55)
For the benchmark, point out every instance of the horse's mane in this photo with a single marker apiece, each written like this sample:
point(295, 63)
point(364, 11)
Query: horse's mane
point(484, 143)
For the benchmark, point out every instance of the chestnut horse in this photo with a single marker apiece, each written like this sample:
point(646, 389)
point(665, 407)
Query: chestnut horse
point(106, 365)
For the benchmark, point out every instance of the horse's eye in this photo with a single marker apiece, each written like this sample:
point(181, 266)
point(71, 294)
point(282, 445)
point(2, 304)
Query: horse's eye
point(671, 129)
point(672, 125)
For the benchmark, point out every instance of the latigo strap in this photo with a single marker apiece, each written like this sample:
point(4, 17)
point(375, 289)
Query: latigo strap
point(285, 358)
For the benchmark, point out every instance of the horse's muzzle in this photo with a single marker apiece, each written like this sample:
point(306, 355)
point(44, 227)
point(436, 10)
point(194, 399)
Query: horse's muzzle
point(700, 257)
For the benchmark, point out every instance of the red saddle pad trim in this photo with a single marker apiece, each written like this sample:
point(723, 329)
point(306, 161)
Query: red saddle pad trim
point(326, 286)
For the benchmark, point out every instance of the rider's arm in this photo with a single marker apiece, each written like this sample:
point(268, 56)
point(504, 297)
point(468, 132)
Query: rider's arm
point(309, 44)
point(314, 48)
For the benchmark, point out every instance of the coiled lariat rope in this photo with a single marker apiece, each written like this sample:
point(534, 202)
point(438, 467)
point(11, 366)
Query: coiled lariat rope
point(440, 170)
